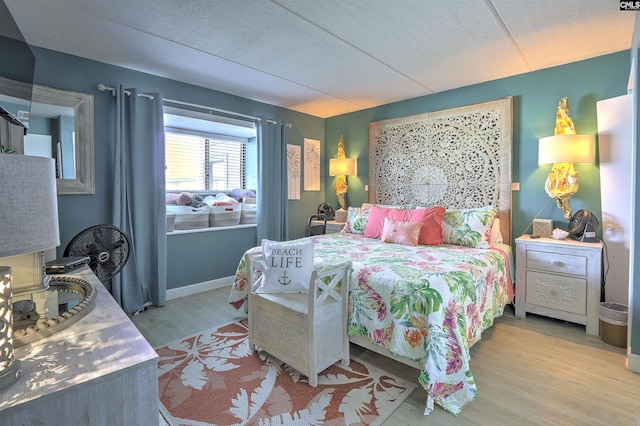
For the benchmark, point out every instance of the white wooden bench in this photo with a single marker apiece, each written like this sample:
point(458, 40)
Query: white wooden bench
point(307, 331)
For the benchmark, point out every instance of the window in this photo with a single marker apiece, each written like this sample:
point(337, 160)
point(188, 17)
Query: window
point(205, 153)
point(197, 163)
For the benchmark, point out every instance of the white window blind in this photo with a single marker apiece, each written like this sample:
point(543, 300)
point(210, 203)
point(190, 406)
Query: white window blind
point(198, 163)
point(227, 165)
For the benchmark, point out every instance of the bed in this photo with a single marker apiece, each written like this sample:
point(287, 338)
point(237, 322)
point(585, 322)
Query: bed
point(425, 305)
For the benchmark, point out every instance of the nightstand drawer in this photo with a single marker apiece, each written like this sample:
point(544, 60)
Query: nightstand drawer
point(557, 292)
point(554, 262)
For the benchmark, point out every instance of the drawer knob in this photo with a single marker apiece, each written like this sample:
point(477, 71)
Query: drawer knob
point(558, 263)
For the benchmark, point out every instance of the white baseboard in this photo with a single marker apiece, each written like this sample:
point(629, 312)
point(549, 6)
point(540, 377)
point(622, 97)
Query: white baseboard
point(633, 362)
point(175, 293)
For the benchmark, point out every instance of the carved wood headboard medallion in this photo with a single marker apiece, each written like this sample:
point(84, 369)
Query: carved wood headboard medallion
point(456, 158)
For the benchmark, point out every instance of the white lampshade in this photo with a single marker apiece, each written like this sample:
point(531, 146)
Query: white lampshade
point(566, 149)
point(342, 166)
point(28, 205)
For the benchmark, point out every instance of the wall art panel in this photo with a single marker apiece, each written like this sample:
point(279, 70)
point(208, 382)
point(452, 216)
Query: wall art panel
point(455, 158)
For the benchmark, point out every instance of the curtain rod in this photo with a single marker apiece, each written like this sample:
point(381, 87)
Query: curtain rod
point(103, 87)
point(224, 111)
point(212, 109)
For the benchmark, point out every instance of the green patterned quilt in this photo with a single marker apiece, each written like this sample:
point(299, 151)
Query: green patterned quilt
point(426, 303)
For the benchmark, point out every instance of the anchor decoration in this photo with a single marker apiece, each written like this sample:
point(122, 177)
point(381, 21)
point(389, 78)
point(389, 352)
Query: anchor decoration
point(284, 280)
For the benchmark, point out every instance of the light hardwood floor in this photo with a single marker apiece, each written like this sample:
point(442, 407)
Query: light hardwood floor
point(535, 371)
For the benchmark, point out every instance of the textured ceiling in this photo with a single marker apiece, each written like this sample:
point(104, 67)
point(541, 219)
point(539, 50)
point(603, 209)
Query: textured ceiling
point(328, 57)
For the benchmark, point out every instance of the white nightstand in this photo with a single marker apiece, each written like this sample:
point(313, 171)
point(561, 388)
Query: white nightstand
point(333, 227)
point(559, 279)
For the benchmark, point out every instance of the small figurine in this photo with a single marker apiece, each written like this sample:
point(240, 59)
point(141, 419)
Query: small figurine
point(559, 234)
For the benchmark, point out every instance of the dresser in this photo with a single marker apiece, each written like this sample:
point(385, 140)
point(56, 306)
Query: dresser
point(98, 371)
point(559, 279)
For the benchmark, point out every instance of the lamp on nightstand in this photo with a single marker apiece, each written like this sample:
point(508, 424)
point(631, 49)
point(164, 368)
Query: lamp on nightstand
point(28, 226)
point(562, 150)
point(341, 167)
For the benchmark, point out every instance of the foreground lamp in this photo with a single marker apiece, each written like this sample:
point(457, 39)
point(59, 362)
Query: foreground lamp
point(562, 150)
point(28, 226)
point(10, 370)
point(341, 167)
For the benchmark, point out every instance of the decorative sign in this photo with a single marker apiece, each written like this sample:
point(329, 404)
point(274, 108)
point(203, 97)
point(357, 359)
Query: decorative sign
point(293, 171)
point(311, 165)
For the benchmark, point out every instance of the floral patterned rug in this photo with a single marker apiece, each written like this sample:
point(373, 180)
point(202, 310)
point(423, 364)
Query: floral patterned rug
point(213, 378)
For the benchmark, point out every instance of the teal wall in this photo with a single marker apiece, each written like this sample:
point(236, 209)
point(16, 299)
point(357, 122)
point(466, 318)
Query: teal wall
point(191, 258)
point(535, 100)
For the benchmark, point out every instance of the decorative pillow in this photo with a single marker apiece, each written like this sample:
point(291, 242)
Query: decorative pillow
point(469, 227)
point(286, 266)
point(431, 219)
point(496, 233)
point(399, 232)
point(375, 223)
point(389, 206)
point(356, 221)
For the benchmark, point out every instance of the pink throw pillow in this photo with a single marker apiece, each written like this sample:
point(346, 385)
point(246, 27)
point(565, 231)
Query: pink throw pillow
point(431, 220)
point(398, 232)
point(375, 223)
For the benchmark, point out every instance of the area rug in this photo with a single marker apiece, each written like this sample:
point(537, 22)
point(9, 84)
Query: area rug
point(213, 378)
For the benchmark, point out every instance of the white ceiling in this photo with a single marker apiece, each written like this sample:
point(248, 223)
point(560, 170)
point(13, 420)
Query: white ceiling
point(328, 57)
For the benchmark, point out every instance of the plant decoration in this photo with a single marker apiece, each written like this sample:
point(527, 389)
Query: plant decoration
point(4, 150)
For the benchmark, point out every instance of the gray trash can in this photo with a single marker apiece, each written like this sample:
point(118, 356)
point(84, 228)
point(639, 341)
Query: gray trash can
point(613, 323)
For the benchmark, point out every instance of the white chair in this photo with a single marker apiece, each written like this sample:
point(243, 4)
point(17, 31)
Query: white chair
point(307, 331)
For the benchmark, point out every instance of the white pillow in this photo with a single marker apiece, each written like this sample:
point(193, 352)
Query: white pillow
point(496, 233)
point(286, 266)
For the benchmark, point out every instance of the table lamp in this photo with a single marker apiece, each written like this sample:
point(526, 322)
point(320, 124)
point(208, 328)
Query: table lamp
point(28, 226)
point(341, 167)
point(562, 150)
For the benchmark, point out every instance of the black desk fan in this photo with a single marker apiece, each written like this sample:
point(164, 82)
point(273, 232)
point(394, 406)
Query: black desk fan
point(583, 226)
point(326, 210)
point(107, 247)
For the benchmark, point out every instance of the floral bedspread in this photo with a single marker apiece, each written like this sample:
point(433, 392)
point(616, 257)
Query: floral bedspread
point(426, 303)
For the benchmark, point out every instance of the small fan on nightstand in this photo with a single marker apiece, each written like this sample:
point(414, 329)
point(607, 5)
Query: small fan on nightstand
point(326, 210)
point(583, 226)
point(107, 247)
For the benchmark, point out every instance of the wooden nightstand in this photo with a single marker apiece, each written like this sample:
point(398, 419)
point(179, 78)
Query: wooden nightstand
point(333, 227)
point(559, 279)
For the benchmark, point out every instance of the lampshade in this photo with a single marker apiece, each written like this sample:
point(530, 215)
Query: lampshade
point(342, 166)
point(566, 149)
point(28, 205)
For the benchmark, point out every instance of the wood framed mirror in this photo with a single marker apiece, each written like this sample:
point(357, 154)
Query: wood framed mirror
point(60, 125)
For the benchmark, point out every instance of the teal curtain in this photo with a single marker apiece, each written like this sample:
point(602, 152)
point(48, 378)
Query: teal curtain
point(139, 199)
point(272, 181)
